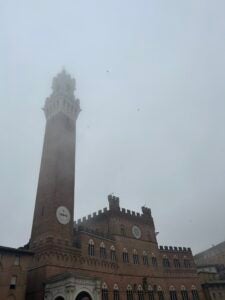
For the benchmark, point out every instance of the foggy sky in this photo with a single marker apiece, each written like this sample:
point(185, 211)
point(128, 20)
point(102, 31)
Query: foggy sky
point(151, 82)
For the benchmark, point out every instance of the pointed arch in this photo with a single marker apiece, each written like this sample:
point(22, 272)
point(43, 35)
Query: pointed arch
point(145, 258)
point(116, 293)
point(135, 257)
point(129, 292)
point(173, 293)
point(184, 293)
point(102, 244)
point(140, 292)
point(194, 292)
point(105, 292)
point(165, 261)
point(102, 250)
point(160, 293)
point(154, 261)
point(151, 295)
point(104, 285)
point(125, 255)
point(91, 248)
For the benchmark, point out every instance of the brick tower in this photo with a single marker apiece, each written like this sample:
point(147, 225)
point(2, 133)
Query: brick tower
point(54, 208)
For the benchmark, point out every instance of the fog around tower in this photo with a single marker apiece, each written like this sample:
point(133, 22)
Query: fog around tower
point(150, 79)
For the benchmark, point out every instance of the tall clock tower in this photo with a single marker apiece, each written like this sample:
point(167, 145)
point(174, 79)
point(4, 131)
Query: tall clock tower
point(54, 207)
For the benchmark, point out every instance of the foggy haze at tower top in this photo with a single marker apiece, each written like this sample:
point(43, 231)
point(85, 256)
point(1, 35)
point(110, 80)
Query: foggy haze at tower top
point(150, 78)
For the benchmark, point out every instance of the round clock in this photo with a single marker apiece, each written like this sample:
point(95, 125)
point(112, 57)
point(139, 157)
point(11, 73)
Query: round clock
point(136, 232)
point(63, 215)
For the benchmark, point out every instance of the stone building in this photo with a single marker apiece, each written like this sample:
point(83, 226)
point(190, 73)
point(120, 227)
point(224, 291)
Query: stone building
point(211, 269)
point(14, 264)
point(111, 254)
point(213, 255)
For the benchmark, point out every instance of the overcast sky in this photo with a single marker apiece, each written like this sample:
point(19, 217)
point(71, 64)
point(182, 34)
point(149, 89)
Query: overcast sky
point(151, 82)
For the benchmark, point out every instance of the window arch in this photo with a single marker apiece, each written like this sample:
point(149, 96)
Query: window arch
point(140, 293)
point(160, 293)
point(105, 292)
point(125, 256)
point(102, 250)
point(166, 262)
point(184, 293)
point(173, 293)
point(113, 253)
point(145, 258)
point(91, 248)
point(13, 282)
point(122, 229)
point(154, 260)
point(116, 293)
point(129, 292)
point(194, 293)
point(135, 257)
point(176, 262)
point(150, 293)
point(102, 245)
point(187, 263)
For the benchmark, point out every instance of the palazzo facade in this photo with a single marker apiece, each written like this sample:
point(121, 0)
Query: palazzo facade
point(111, 254)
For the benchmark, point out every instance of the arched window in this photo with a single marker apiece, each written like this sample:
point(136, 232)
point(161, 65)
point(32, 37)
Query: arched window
point(166, 262)
point(176, 262)
point(125, 256)
point(184, 293)
point(145, 258)
point(173, 293)
point(17, 260)
point(122, 229)
point(154, 261)
point(129, 292)
point(102, 250)
point(116, 293)
point(140, 293)
point(91, 248)
point(113, 253)
point(135, 257)
point(194, 293)
point(187, 263)
point(160, 293)
point(150, 293)
point(13, 282)
point(105, 292)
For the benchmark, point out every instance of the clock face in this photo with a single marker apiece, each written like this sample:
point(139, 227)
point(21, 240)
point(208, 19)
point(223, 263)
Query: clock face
point(136, 232)
point(63, 215)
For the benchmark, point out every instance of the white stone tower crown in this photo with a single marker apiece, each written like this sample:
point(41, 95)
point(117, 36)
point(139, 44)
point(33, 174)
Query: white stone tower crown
point(62, 98)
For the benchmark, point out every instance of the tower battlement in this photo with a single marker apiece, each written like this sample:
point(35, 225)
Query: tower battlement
point(62, 98)
point(115, 208)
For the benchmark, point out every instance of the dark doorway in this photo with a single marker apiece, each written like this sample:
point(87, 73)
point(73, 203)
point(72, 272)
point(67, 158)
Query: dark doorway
point(59, 298)
point(83, 296)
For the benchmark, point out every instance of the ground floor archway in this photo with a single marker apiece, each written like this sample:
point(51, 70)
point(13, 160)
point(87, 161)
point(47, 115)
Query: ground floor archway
point(83, 296)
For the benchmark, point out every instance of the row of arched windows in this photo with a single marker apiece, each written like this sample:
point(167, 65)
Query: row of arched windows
point(158, 294)
point(102, 250)
point(135, 257)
